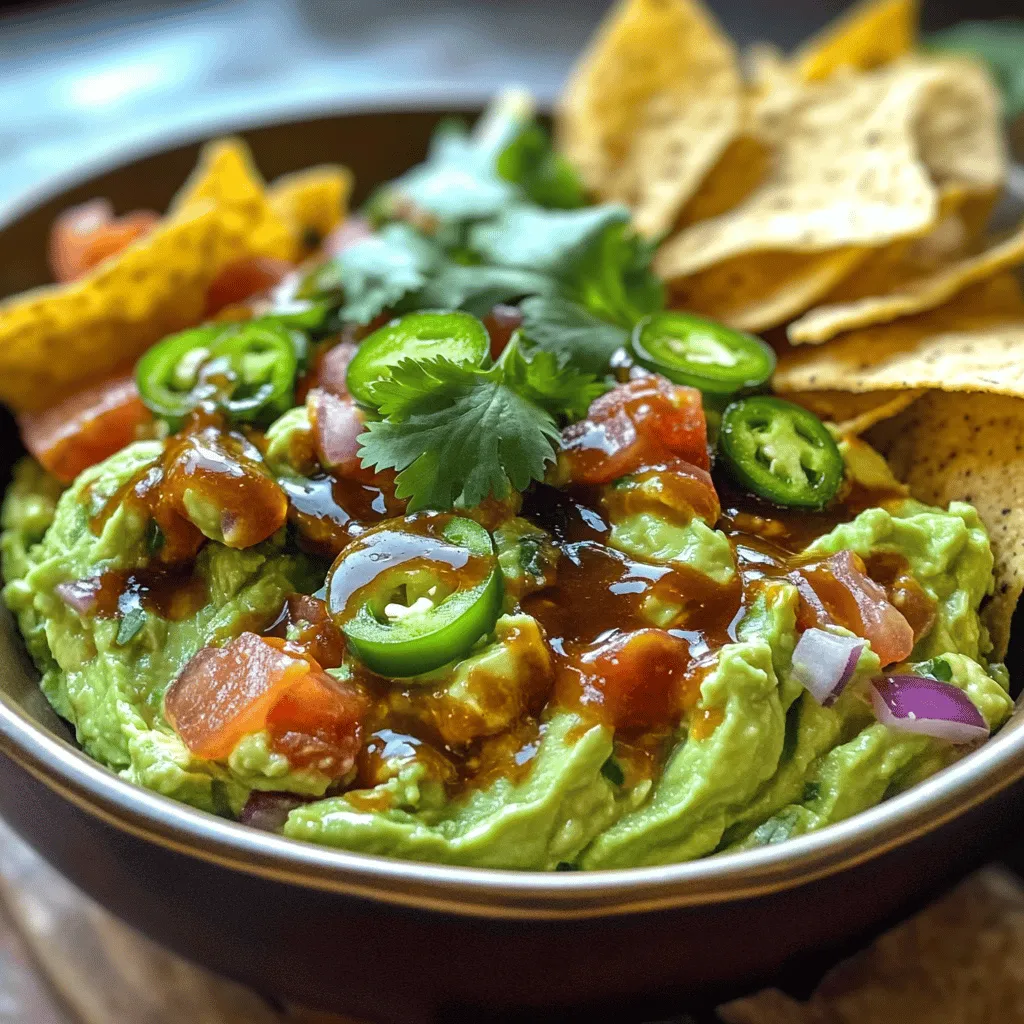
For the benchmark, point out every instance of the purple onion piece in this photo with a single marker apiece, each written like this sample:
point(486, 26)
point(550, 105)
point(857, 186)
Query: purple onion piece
point(824, 663)
point(268, 811)
point(80, 595)
point(929, 707)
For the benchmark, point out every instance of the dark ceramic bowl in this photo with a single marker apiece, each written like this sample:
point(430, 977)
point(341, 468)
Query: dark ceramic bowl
point(396, 941)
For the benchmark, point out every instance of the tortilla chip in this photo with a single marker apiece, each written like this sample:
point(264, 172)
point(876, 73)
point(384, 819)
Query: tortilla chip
point(651, 107)
point(873, 33)
point(860, 160)
point(754, 293)
point(226, 177)
point(975, 342)
point(740, 169)
point(57, 338)
point(971, 448)
point(922, 294)
point(853, 415)
point(312, 202)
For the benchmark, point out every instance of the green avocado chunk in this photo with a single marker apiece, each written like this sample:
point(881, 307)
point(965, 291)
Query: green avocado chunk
point(536, 824)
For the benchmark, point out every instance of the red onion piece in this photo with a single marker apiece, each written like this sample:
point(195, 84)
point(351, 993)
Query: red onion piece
point(337, 425)
point(81, 596)
point(825, 662)
point(927, 706)
point(269, 811)
point(332, 372)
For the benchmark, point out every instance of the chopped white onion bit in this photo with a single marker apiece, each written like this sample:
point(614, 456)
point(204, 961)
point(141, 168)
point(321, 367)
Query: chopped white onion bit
point(825, 662)
point(927, 706)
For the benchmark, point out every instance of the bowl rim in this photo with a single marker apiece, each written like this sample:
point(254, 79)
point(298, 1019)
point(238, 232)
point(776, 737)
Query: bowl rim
point(481, 892)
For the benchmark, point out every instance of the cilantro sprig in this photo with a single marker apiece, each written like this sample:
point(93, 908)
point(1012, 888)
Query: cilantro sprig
point(457, 434)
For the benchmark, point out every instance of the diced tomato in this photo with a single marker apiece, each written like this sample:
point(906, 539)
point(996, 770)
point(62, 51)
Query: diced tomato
point(86, 235)
point(84, 428)
point(632, 680)
point(647, 420)
point(346, 234)
point(242, 280)
point(502, 322)
point(332, 370)
point(337, 424)
point(838, 591)
point(255, 683)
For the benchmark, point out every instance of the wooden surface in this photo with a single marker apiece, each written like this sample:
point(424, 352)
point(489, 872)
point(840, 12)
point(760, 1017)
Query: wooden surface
point(63, 960)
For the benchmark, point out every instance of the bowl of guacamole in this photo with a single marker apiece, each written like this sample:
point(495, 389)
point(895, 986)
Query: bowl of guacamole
point(487, 550)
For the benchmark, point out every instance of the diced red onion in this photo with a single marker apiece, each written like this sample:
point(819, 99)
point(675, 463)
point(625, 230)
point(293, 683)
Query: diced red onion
point(825, 662)
point(269, 811)
point(337, 425)
point(80, 595)
point(333, 369)
point(927, 706)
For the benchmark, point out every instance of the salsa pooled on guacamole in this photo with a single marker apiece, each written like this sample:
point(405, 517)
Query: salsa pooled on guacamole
point(524, 520)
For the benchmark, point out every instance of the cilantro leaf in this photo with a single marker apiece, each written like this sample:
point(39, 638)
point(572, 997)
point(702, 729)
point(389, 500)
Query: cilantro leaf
point(544, 175)
point(456, 435)
point(377, 273)
point(542, 240)
point(563, 391)
point(478, 288)
point(937, 668)
point(571, 333)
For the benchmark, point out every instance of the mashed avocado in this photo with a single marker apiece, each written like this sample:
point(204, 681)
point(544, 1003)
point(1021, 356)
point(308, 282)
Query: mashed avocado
point(775, 763)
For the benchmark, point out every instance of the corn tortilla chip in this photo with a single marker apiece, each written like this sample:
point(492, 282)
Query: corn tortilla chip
point(873, 33)
point(971, 448)
point(925, 293)
point(973, 343)
point(855, 414)
point(57, 338)
point(226, 178)
point(312, 202)
point(651, 107)
point(754, 293)
point(860, 160)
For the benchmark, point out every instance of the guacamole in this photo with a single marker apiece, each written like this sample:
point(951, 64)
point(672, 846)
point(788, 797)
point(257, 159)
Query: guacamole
point(379, 560)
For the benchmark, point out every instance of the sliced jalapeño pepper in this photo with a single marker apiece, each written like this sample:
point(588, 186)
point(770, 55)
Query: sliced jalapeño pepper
point(457, 336)
point(781, 452)
point(414, 594)
point(247, 370)
point(702, 353)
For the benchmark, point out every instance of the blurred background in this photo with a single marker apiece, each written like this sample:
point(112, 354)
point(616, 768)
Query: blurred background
point(82, 80)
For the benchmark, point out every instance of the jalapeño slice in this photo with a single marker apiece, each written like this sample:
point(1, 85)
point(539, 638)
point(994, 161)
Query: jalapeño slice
point(415, 594)
point(702, 353)
point(247, 370)
point(781, 452)
point(457, 336)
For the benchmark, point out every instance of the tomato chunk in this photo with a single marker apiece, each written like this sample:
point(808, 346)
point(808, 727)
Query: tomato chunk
point(838, 591)
point(645, 421)
point(502, 322)
point(254, 684)
point(242, 280)
point(84, 428)
point(86, 235)
point(632, 680)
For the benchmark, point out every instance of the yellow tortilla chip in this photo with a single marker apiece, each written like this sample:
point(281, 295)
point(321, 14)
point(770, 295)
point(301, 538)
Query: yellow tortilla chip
point(312, 202)
point(860, 160)
point(873, 33)
point(855, 414)
point(740, 169)
point(968, 448)
point(53, 339)
point(975, 342)
point(651, 107)
point(754, 293)
point(226, 178)
point(919, 295)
